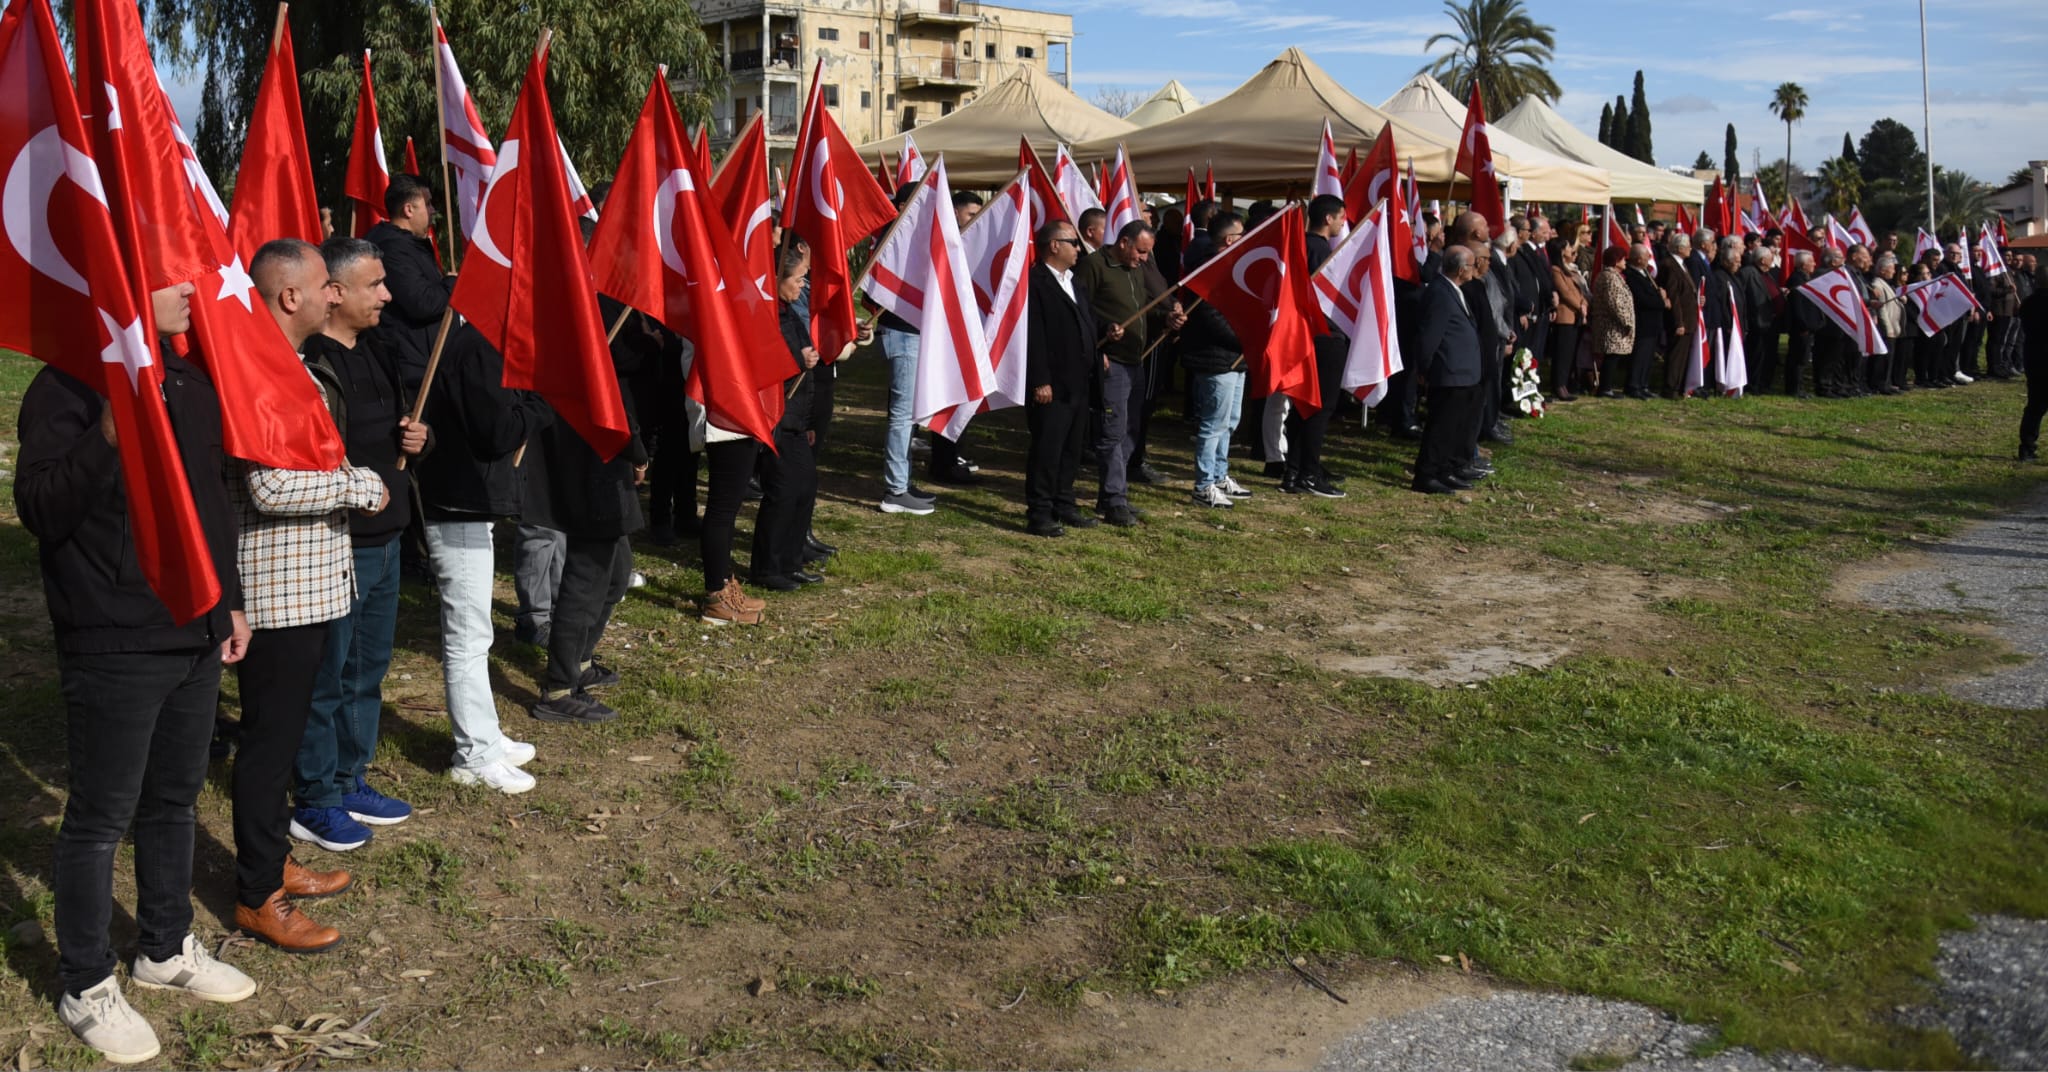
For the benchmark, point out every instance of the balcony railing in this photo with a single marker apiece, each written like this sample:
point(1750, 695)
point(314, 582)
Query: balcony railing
point(950, 11)
point(941, 69)
point(781, 59)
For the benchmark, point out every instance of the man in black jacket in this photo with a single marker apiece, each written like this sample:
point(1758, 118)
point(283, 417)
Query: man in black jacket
point(362, 382)
point(594, 502)
point(139, 689)
point(419, 290)
point(1648, 301)
point(1061, 368)
point(1448, 349)
point(1532, 275)
point(465, 486)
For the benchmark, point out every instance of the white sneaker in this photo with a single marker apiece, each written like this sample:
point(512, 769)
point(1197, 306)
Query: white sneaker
point(1234, 489)
point(518, 753)
point(103, 1019)
point(1965, 378)
point(637, 580)
point(195, 972)
point(1213, 495)
point(501, 776)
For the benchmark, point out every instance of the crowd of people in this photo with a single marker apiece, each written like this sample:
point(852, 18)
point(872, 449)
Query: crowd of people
point(440, 453)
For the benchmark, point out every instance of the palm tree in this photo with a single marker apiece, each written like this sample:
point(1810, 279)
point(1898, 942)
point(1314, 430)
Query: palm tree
point(1959, 201)
point(1789, 104)
point(1841, 183)
point(1498, 46)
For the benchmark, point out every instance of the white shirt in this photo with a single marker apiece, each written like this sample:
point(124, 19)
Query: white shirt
point(1066, 281)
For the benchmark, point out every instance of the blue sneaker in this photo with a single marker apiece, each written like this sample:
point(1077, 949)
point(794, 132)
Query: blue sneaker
point(366, 805)
point(329, 828)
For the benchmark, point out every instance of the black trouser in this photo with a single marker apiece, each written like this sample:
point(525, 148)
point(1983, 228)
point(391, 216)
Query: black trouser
point(2030, 419)
point(1951, 352)
point(1798, 354)
point(672, 481)
point(824, 383)
point(136, 731)
point(1450, 438)
point(1397, 410)
point(1489, 390)
point(789, 492)
point(1998, 346)
point(1830, 365)
point(1760, 348)
point(277, 692)
point(730, 464)
point(1058, 432)
point(595, 573)
point(1973, 344)
point(1905, 351)
point(1615, 369)
point(1564, 353)
point(1641, 360)
point(1305, 434)
point(1878, 375)
point(1158, 374)
point(945, 455)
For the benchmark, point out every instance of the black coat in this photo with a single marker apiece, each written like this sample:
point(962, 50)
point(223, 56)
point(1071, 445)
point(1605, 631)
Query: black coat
point(1059, 345)
point(1649, 306)
point(568, 487)
point(70, 495)
point(364, 381)
point(480, 425)
point(1448, 341)
point(796, 387)
point(1208, 344)
point(419, 297)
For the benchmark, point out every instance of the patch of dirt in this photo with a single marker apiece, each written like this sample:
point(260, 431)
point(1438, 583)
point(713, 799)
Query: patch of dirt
point(1464, 619)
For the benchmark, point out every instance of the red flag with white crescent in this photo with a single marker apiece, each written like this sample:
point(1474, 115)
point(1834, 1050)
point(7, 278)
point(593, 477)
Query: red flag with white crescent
point(833, 204)
point(1261, 286)
point(71, 296)
point(368, 175)
point(1475, 160)
point(274, 195)
point(739, 197)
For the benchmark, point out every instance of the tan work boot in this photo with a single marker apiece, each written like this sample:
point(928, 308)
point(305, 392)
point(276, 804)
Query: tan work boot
point(731, 605)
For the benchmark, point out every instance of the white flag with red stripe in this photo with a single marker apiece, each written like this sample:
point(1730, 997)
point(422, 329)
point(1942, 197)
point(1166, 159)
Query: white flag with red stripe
point(920, 273)
point(911, 167)
point(1860, 229)
point(1943, 300)
point(1355, 287)
point(1988, 257)
point(1076, 192)
point(1839, 238)
point(464, 144)
point(579, 195)
point(1732, 358)
point(1120, 203)
point(1923, 243)
point(998, 248)
point(1329, 174)
point(1701, 356)
point(1838, 296)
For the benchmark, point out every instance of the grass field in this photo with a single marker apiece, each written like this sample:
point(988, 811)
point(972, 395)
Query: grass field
point(1605, 725)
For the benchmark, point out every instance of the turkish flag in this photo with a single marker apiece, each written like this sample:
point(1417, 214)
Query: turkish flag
point(1209, 179)
point(740, 198)
point(70, 296)
point(833, 204)
point(661, 248)
point(1475, 159)
point(274, 190)
point(526, 282)
point(1350, 165)
point(1611, 233)
point(368, 175)
point(1187, 222)
point(1047, 205)
point(1686, 224)
point(1379, 178)
point(704, 165)
point(166, 211)
point(1261, 286)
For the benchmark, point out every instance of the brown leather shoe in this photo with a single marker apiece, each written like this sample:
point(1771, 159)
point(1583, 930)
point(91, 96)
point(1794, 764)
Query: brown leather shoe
point(308, 885)
point(279, 923)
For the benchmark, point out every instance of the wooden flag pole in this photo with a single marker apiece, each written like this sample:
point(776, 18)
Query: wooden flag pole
point(419, 403)
point(448, 207)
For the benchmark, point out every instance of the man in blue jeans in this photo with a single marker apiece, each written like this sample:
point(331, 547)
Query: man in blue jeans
point(352, 363)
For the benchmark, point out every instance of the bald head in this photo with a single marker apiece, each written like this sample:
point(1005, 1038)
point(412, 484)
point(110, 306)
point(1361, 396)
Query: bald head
point(1468, 229)
point(291, 275)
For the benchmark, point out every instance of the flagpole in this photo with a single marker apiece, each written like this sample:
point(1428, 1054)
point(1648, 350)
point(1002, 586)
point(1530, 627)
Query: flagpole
point(1206, 265)
point(448, 207)
point(419, 403)
point(1926, 118)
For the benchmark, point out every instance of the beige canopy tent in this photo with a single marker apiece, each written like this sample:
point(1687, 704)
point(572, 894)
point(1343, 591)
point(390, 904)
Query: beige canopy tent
point(1633, 181)
point(1544, 176)
point(979, 140)
point(1263, 137)
point(1171, 102)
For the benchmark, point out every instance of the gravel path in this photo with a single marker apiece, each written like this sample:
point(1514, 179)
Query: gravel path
point(1536, 1032)
point(1994, 991)
point(1998, 568)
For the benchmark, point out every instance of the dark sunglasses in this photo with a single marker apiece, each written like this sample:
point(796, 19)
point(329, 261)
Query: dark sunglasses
point(1069, 241)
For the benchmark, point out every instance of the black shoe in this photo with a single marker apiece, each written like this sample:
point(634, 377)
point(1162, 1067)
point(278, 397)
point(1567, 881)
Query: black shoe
point(753, 489)
point(1499, 433)
point(1078, 520)
point(1144, 474)
point(1433, 487)
point(1046, 528)
point(1455, 481)
point(819, 545)
point(1612, 392)
point(777, 582)
point(536, 635)
point(1413, 431)
point(1120, 516)
point(1472, 474)
point(575, 707)
point(807, 577)
point(1314, 485)
point(1290, 484)
point(810, 555)
point(1276, 468)
point(2028, 454)
point(598, 676)
point(1328, 477)
point(958, 476)
point(1641, 396)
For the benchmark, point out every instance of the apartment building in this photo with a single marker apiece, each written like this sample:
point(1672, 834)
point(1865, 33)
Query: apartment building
point(889, 65)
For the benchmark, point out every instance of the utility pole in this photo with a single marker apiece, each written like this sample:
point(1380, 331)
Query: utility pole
point(1926, 119)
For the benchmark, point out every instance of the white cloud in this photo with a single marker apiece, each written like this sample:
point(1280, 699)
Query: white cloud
point(1682, 104)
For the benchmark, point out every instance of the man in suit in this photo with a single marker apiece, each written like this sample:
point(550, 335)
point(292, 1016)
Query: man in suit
point(1649, 310)
point(1060, 369)
point(1448, 350)
point(1532, 276)
point(1488, 301)
point(1702, 259)
point(1682, 305)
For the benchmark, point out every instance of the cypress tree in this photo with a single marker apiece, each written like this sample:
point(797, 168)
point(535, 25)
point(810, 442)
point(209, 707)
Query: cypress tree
point(1606, 123)
point(1618, 133)
point(1731, 161)
point(1848, 148)
point(1639, 125)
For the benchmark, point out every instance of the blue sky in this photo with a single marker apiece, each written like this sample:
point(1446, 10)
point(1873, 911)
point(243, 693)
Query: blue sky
point(1706, 63)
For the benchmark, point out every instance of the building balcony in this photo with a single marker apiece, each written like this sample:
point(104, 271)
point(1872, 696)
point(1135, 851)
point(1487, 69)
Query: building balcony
point(937, 12)
point(781, 63)
point(942, 72)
